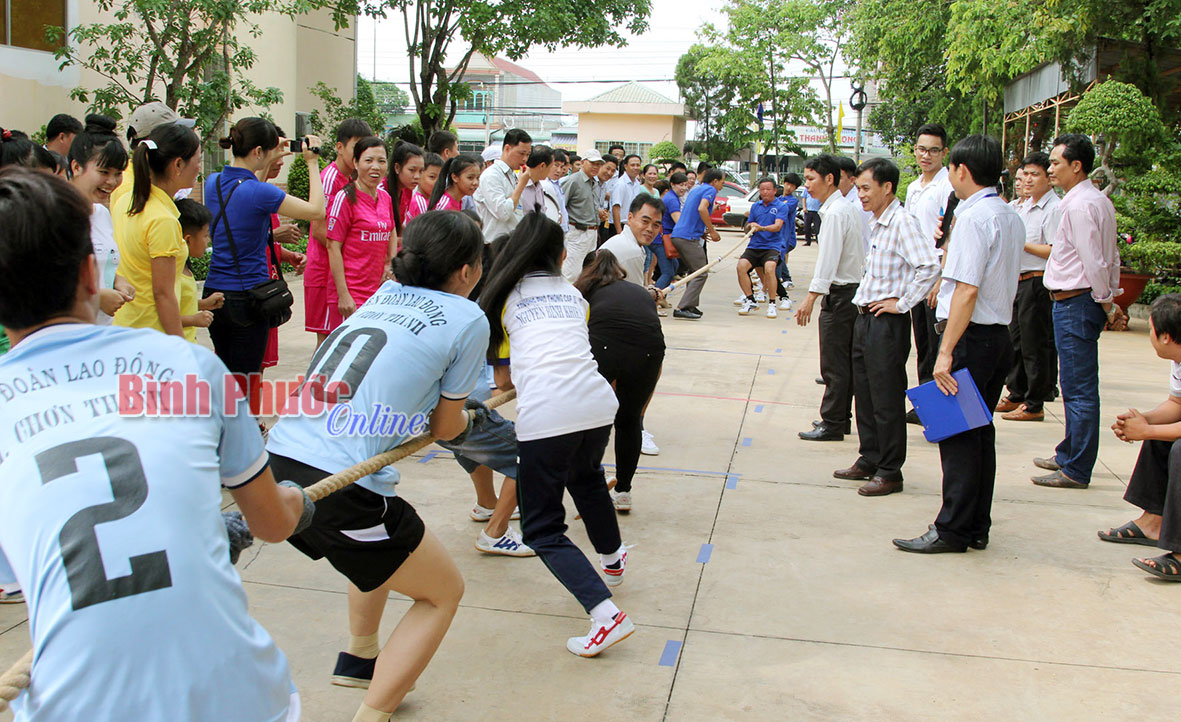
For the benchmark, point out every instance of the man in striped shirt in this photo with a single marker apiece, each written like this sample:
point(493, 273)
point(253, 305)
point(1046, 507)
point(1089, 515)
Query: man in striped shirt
point(901, 269)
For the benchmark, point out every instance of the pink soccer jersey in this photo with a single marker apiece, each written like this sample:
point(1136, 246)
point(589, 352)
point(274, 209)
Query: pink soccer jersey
point(447, 203)
point(418, 204)
point(363, 229)
point(316, 272)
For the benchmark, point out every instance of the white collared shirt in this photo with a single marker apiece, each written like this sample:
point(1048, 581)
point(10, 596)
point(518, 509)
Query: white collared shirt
point(628, 251)
point(927, 202)
point(842, 253)
point(985, 253)
point(1041, 223)
point(493, 199)
point(867, 216)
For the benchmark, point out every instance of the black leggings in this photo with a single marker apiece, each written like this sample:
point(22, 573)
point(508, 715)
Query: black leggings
point(634, 373)
point(239, 336)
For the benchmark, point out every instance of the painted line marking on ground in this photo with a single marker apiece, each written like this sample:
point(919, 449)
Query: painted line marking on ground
point(679, 471)
point(725, 398)
point(746, 441)
point(770, 372)
point(429, 455)
point(672, 649)
point(759, 409)
point(704, 554)
point(732, 481)
point(783, 331)
point(778, 350)
point(715, 350)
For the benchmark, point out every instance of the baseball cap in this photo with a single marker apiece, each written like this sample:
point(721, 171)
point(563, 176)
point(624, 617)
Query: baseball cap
point(150, 116)
point(491, 153)
point(592, 156)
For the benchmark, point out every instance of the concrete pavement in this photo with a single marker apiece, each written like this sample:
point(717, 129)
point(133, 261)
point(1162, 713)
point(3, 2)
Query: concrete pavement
point(764, 589)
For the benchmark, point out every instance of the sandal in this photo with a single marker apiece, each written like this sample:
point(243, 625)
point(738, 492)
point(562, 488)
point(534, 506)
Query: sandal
point(1127, 534)
point(1165, 567)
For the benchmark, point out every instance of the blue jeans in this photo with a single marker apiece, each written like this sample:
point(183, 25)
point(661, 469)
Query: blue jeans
point(667, 266)
point(1078, 322)
point(492, 443)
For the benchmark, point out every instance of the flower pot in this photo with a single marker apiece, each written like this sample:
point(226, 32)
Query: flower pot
point(1133, 285)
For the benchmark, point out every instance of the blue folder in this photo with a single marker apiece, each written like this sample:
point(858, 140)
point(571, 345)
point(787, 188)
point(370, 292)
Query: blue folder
point(946, 416)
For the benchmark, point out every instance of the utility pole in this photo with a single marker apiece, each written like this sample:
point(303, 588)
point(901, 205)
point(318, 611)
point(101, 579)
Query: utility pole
point(857, 102)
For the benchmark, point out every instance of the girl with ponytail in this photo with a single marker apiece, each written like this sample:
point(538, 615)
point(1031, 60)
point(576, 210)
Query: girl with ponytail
point(539, 343)
point(97, 160)
point(152, 251)
point(406, 164)
point(459, 179)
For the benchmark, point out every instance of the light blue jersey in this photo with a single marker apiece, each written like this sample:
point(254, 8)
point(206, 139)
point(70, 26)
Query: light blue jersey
point(113, 526)
point(402, 350)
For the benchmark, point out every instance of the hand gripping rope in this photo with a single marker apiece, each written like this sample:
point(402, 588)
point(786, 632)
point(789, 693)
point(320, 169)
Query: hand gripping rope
point(16, 679)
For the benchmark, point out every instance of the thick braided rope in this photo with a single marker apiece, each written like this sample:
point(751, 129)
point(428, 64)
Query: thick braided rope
point(16, 679)
point(340, 480)
point(704, 269)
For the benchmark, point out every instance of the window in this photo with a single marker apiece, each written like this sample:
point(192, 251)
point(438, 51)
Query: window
point(479, 100)
point(640, 149)
point(471, 146)
point(22, 22)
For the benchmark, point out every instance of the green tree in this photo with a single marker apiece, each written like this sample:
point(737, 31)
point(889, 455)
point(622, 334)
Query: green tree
point(497, 27)
point(705, 76)
point(323, 121)
point(664, 153)
point(190, 55)
point(391, 99)
point(1124, 119)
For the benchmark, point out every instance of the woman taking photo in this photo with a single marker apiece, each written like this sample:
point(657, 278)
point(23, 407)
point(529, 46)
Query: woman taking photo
point(361, 240)
point(459, 179)
point(152, 251)
point(420, 360)
point(97, 161)
point(565, 409)
point(628, 346)
point(242, 205)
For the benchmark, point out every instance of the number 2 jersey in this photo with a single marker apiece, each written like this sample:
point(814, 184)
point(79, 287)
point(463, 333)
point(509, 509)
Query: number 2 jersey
point(113, 525)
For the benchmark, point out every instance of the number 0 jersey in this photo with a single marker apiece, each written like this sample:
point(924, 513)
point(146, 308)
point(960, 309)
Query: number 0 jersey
point(402, 350)
point(113, 526)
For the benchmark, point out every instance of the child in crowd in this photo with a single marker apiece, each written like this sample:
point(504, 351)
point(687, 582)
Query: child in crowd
point(194, 226)
point(432, 164)
point(458, 179)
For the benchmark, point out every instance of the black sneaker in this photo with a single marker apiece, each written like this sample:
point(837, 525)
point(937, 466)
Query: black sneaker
point(686, 313)
point(353, 671)
point(912, 417)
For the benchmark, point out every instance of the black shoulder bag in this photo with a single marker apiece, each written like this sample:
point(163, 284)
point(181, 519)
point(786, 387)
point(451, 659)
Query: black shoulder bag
point(270, 300)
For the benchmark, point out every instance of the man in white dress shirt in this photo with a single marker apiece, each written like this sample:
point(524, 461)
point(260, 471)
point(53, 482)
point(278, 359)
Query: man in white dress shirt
point(501, 187)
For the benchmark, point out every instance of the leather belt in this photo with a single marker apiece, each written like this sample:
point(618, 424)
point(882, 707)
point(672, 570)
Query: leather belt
point(1030, 274)
point(864, 310)
point(582, 227)
point(1063, 295)
point(941, 326)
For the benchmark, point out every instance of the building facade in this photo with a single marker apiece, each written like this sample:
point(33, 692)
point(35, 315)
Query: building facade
point(631, 115)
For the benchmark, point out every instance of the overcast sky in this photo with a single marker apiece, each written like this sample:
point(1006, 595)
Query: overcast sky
point(651, 57)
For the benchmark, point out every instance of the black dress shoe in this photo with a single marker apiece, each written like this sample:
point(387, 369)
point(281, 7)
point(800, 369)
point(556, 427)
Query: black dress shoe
point(820, 380)
point(686, 313)
point(822, 433)
point(980, 544)
point(912, 417)
point(816, 423)
point(928, 543)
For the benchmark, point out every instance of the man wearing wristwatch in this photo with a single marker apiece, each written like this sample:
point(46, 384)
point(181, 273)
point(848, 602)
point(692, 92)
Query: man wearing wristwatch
point(1082, 277)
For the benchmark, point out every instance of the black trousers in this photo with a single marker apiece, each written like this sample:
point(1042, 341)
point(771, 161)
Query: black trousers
point(1155, 487)
point(1035, 368)
point(634, 373)
point(811, 226)
point(926, 340)
point(548, 468)
point(880, 347)
point(969, 459)
point(837, 315)
point(239, 336)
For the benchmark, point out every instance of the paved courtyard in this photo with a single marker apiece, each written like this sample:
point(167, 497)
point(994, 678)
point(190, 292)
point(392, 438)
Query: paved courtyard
point(762, 588)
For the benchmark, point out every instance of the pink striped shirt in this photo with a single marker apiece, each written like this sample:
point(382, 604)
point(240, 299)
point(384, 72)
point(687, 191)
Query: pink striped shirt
point(418, 204)
point(1084, 254)
point(447, 203)
point(316, 273)
point(363, 229)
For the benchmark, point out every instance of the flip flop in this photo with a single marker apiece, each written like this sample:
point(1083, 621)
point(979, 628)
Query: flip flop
point(1133, 535)
point(1167, 567)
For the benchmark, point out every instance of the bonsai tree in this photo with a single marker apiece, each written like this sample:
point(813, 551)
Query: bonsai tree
point(664, 153)
point(1122, 118)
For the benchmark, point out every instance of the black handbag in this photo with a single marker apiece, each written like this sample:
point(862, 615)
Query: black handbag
point(270, 300)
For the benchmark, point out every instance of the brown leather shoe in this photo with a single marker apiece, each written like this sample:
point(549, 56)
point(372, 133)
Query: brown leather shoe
point(878, 486)
point(1006, 405)
point(853, 473)
point(1024, 414)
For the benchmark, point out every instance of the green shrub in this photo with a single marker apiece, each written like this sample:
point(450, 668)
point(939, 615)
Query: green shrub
point(1159, 258)
point(200, 266)
point(1155, 290)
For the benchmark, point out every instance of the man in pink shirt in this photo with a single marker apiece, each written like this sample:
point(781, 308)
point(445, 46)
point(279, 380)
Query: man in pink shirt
point(316, 279)
point(1082, 277)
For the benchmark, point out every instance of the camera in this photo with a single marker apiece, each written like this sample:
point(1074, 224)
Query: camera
point(297, 145)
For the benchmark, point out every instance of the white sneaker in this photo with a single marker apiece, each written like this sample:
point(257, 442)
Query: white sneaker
point(785, 304)
point(761, 297)
point(648, 445)
point(614, 573)
point(11, 596)
point(771, 311)
point(509, 545)
point(482, 514)
point(789, 284)
point(747, 307)
point(601, 636)
point(740, 300)
point(622, 500)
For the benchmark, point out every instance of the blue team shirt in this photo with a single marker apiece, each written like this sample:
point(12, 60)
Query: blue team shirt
point(113, 526)
point(810, 203)
point(791, 205)
point(672, 204)
point(690, 225)
point(401, 350)
point(765, 214)
point(249, 217)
